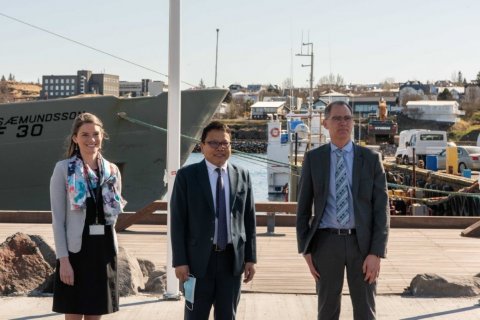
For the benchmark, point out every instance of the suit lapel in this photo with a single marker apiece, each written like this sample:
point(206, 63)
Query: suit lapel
point(357, 169)
point(325, 158)
point(204, 183)
point(233, 178)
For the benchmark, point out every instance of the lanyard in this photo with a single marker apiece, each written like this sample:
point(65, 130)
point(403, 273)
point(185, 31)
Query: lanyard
point(94, 196)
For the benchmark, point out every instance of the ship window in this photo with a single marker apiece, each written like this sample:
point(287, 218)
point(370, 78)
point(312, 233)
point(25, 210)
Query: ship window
point(56, 80)
point(46, 80)
point(61, 80)
point(56, 87)
point(62, 87)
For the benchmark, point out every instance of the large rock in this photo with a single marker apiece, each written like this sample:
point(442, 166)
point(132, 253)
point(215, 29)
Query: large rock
point(156, 282)
point(22, 266)
point(147, 267)
point(433, 285)
point(130, 276)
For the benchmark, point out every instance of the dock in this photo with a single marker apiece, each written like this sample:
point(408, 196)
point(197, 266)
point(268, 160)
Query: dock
point(281, 269)
point(282, 287)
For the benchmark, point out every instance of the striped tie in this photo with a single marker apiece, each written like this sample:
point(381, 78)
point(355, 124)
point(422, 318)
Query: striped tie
point(341, 186)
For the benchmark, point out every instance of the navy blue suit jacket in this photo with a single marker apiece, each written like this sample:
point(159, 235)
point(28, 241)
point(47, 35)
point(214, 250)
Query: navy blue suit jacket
point(193, 218)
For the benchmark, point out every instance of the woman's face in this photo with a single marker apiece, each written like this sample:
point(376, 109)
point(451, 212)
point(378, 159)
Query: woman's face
point(89, 139)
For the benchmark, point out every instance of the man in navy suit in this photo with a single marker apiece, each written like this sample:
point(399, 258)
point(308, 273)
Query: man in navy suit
point(213, 227)
point(348, 228)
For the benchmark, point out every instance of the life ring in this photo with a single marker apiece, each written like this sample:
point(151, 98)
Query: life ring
point(275, 132)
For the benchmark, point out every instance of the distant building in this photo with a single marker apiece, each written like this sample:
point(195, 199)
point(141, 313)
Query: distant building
point(456, 92)
point(236, 88)
point(366, 105)
point(427, 89)
point(146, 87)
point(261, 110)
point(332, 95)
point(61, 86)
point(441, 111)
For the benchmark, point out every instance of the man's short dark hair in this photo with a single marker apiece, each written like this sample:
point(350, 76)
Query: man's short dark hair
point(328, 109)
point(215, 125)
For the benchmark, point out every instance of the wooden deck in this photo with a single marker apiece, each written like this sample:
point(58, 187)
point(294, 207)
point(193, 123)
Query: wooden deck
point(281, 270)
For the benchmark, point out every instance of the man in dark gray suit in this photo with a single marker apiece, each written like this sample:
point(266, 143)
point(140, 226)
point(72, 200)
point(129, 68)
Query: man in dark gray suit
point(213, 227)
point(348, 228)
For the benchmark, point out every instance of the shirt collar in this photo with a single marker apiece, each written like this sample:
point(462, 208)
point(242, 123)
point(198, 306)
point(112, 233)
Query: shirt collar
point(347, 148)
point(211, 167)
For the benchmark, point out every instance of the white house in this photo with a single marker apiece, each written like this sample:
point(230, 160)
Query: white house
point(262, 109)
point(441, 111)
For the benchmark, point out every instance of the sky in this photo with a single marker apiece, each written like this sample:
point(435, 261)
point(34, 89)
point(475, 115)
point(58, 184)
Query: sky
point(363, 41)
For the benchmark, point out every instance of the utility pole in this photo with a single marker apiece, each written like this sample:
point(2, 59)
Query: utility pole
point(310, 101)
point(216, 60)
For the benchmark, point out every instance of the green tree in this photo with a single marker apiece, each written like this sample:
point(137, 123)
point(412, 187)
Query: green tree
point(3, 78)
point(478, 78)
point(445, 95)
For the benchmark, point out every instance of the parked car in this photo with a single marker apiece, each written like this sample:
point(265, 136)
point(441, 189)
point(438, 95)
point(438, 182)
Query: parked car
point(468, 158)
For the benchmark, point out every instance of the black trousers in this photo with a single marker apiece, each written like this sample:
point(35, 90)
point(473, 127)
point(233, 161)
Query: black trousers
point(331, 254)
point(219, 288)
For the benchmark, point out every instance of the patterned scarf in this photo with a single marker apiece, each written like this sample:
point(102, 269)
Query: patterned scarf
point(77, 187)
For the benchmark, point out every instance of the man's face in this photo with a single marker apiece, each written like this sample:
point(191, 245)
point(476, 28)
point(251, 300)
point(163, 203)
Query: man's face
point(340, 125)
point(216, 148)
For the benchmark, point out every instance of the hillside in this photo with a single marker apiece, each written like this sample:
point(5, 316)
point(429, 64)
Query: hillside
point(11, 91)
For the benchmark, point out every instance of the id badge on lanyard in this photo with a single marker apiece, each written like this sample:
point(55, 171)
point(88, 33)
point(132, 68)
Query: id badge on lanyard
point(95, 229)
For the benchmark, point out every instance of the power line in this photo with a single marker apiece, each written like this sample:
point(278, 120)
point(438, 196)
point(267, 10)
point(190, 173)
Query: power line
point(88, 46)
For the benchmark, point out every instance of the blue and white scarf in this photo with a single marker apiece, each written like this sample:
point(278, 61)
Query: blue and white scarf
point(77, 186)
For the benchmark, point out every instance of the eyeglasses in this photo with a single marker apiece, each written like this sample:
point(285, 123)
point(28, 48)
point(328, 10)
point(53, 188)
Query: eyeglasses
point(338, 119)
point(216, 144)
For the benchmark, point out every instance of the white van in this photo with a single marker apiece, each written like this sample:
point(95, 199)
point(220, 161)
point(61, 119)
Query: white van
point(403, 138)
point(424, 142)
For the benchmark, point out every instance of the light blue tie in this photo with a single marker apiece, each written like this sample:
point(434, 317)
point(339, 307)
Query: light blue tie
point(341, 186)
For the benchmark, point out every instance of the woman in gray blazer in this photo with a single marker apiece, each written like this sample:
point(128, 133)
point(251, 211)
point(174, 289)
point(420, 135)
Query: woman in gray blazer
point(85, 196)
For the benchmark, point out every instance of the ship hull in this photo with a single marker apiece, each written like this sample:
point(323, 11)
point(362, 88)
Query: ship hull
point(33, 135)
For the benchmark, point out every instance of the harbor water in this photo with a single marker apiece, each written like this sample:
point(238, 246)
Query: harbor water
point(256, 165)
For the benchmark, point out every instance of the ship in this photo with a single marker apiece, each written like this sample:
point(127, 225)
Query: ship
point(33, 137)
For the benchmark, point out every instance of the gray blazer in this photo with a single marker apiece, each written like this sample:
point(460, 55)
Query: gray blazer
point(193, 218)
point(67, 224)
point(370, 199)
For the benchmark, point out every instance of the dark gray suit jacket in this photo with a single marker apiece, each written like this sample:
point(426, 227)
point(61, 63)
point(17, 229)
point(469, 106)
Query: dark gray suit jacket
point(370, 199)
point(193, 218)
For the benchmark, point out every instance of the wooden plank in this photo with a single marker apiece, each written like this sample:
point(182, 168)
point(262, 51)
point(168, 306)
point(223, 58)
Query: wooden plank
point(145, 216)
point(472, 231)
point(123, 224)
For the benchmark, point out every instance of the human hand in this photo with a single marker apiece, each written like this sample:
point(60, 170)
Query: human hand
point(313, 271)
point(182, 272)
point(66, 271)
point(249, 272)
point(371, 268)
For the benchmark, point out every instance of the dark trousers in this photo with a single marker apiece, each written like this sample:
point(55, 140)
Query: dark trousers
point(331, 254)
point(219, 288)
